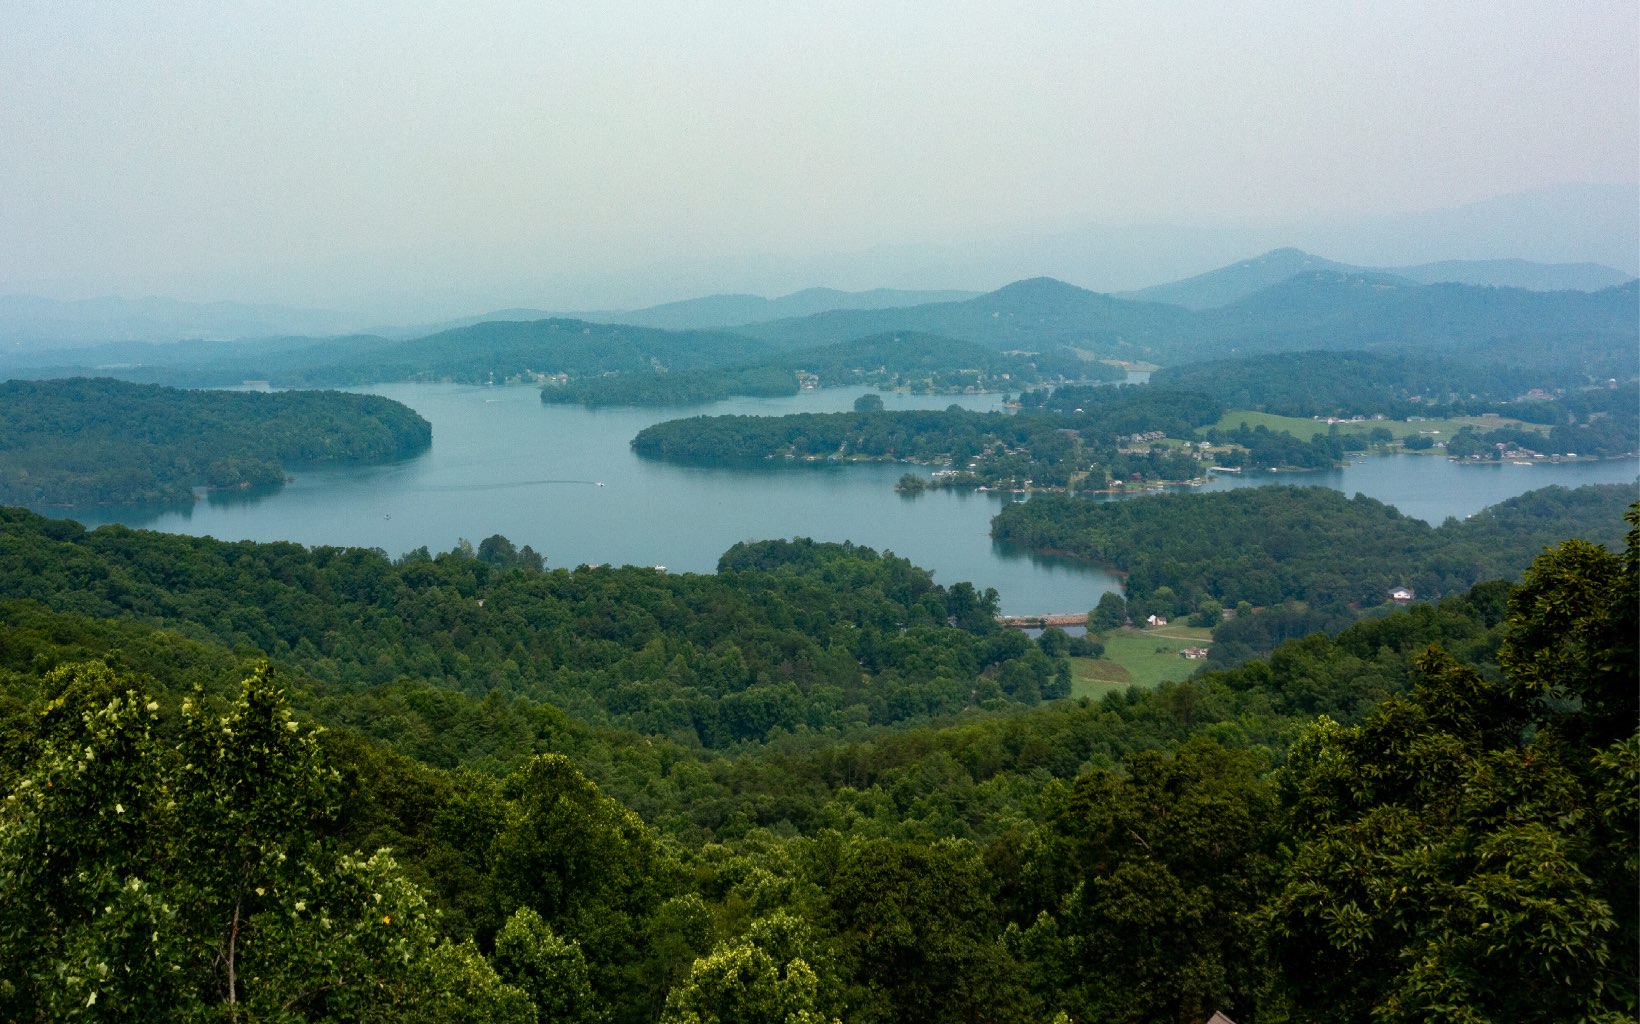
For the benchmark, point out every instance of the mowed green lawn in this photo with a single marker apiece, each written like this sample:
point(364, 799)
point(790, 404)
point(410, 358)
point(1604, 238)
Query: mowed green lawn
point(1132, 658)
point(1300, 427)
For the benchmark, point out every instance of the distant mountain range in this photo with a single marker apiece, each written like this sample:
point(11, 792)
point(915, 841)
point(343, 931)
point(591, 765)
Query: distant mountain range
point(29, 324)
point(1595, 333)
point(712, 311)
point(1567, 335)
point(1239, 280)
point(1283, 301)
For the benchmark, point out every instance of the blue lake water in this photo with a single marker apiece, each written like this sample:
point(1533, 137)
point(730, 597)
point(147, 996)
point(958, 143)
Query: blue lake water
point(564, 480)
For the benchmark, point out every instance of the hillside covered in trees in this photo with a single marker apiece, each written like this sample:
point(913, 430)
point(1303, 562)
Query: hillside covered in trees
point(1310, 555)
point(1587, 334)
point(789, 636)
point(1453, 833)
point(915, 362)
point(89, 441)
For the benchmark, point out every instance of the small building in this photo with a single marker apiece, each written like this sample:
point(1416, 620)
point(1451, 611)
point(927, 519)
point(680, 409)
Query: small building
point(1402, 595)
point(1193, 653)
point(1155, 620)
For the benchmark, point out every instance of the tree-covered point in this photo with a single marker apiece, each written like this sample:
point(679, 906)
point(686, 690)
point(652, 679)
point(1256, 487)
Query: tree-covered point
point(86, 441)
point(1072, 437)
point(992, 449)
point(1271, 545)
point(840, 639)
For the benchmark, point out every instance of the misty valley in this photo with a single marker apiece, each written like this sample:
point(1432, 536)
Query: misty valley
point(671, 668)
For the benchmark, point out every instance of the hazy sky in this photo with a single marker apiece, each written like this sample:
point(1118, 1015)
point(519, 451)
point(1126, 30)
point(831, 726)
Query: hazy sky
point(341, 153)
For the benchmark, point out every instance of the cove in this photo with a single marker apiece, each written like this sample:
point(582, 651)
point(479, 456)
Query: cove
point(564, 480)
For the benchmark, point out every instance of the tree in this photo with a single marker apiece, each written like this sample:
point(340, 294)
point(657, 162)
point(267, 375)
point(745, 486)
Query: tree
point(1149, 879)
point(915, 926)
point(764, 977)
point(869, 402)
point(1471, 846)
point(186, 877)
point(1573, 628)
point(587, 866)
point(1111, 613)
point(551, 971)
point(1209, 613)
point(1055, 642)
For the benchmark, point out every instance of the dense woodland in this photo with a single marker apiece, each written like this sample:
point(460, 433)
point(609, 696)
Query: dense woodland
point(88, 441)
point(1366, 826)
point(1311, 556)
point(774, 643)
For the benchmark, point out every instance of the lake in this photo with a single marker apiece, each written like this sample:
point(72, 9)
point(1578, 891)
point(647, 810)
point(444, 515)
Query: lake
point(563, 480)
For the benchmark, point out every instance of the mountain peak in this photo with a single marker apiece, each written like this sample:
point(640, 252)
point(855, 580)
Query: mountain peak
point(1037, 289)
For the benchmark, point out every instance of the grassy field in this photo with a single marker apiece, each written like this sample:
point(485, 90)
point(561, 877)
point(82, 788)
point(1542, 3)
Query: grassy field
point(1299, 427)
point(1132, 658)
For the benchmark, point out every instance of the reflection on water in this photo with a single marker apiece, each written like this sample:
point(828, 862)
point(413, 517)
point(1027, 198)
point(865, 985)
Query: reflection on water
point(223, 497)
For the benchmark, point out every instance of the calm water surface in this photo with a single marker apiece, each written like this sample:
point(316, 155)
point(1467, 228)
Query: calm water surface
point(564, 480)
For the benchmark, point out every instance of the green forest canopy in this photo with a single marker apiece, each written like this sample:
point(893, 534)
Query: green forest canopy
point(1211, 845)
point(87, 441)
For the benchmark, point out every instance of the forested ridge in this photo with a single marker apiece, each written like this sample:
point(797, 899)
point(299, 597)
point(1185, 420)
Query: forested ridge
point(88, 441)
point(916, 362)
point(1563, 333)
point(1311, 557)
point(789, 636)
point(1454, 834)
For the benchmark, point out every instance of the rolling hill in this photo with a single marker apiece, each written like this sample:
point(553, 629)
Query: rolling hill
point(1239, 280)
point(1573, 332)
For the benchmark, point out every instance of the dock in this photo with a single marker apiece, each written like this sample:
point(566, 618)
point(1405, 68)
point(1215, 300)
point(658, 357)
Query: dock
point(1043, 621)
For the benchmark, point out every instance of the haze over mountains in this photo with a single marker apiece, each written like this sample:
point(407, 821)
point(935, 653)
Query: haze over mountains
point(1568, 336)
point(1239, 280)
point(113, 330)
point(1571, 236)
point(711, 311)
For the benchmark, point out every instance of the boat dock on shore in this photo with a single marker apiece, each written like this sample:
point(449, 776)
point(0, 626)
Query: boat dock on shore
point(1042, 621)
